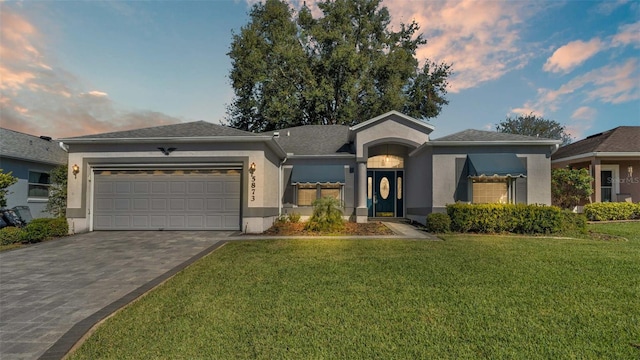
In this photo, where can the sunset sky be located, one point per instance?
(72, 68)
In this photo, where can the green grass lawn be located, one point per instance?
(466, 297)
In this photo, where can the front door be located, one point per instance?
(384, 196)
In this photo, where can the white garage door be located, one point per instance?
(203, 199)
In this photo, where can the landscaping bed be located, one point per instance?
(350, 229)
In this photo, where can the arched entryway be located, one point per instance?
(385, 181)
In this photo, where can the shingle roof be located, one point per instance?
(184, 130)
(481, 135)
(17, 145)
(315, 140)
(620, 139)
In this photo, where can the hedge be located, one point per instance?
(612, 211)
(438, 223)
(11, 235)
(498, 218)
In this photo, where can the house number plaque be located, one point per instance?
(253, 187)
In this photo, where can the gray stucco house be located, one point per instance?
(204, 176)
(30, 159)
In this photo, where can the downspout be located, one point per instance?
(280, 186)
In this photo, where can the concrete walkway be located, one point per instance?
(65, 286)
(52, 293)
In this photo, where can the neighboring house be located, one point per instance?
(211, 177)
(30, 159)
(613, 160)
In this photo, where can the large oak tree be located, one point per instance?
(345, 67)
(533, 125)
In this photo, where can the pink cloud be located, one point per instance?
(628, 35)
(571, 55)
(43, 99)
(584, 113)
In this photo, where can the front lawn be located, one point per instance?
(465, 297)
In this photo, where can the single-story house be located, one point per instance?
(30, 159)
(200, 175)
(611, 157)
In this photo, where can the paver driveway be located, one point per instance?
(51, 290)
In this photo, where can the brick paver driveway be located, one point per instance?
(51, 293)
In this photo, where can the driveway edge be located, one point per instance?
(72, 337)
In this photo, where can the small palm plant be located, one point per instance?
(327, 215)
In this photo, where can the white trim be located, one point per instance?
(598, 155)
(396, 113)
(615, 180)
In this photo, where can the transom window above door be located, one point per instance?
(385, 162)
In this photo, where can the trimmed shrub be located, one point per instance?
(497, 218)
(42, 229)
(612, 211)
(438, 223)
(11, 235)
(327, 215)
(573, 223)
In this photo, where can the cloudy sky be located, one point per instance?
(74, 68)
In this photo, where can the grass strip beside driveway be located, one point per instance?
(466, 297)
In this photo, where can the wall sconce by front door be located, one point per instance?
(75, 169)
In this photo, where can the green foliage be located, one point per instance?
(42, 229)
(573, 223)
(294, 217)
(438, 223)
(570, 187)
(11, 235)
(498, 218)
(327, 215)
(57, 204)
(532, 125)
(612, 211)
(6, 180)
(344, 67)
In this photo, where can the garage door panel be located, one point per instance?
(195, 205)
(158, 204)
(122, 188)
(121, 204)
(168, 200)
(141, 188)
(140, 221)
(178, 187)
(141, 204)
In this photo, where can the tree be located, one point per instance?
(342, 68)
(533, 125)
(6, 180)
(569, 187)
(57, 204)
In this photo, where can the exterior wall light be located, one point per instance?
(630, 170)
(252, 168)
(75, 169)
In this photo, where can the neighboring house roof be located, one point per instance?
(623, 139)
(475, 136)
(194, 129)
(17, 145)
(315, 140)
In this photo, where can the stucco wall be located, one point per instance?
(419, 182)
(444, 171)
(18, 192)
(386, 131)
(264, 206)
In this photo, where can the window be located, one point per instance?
(39, 183)
(490, 191)
(385, 162)
(307, 193)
